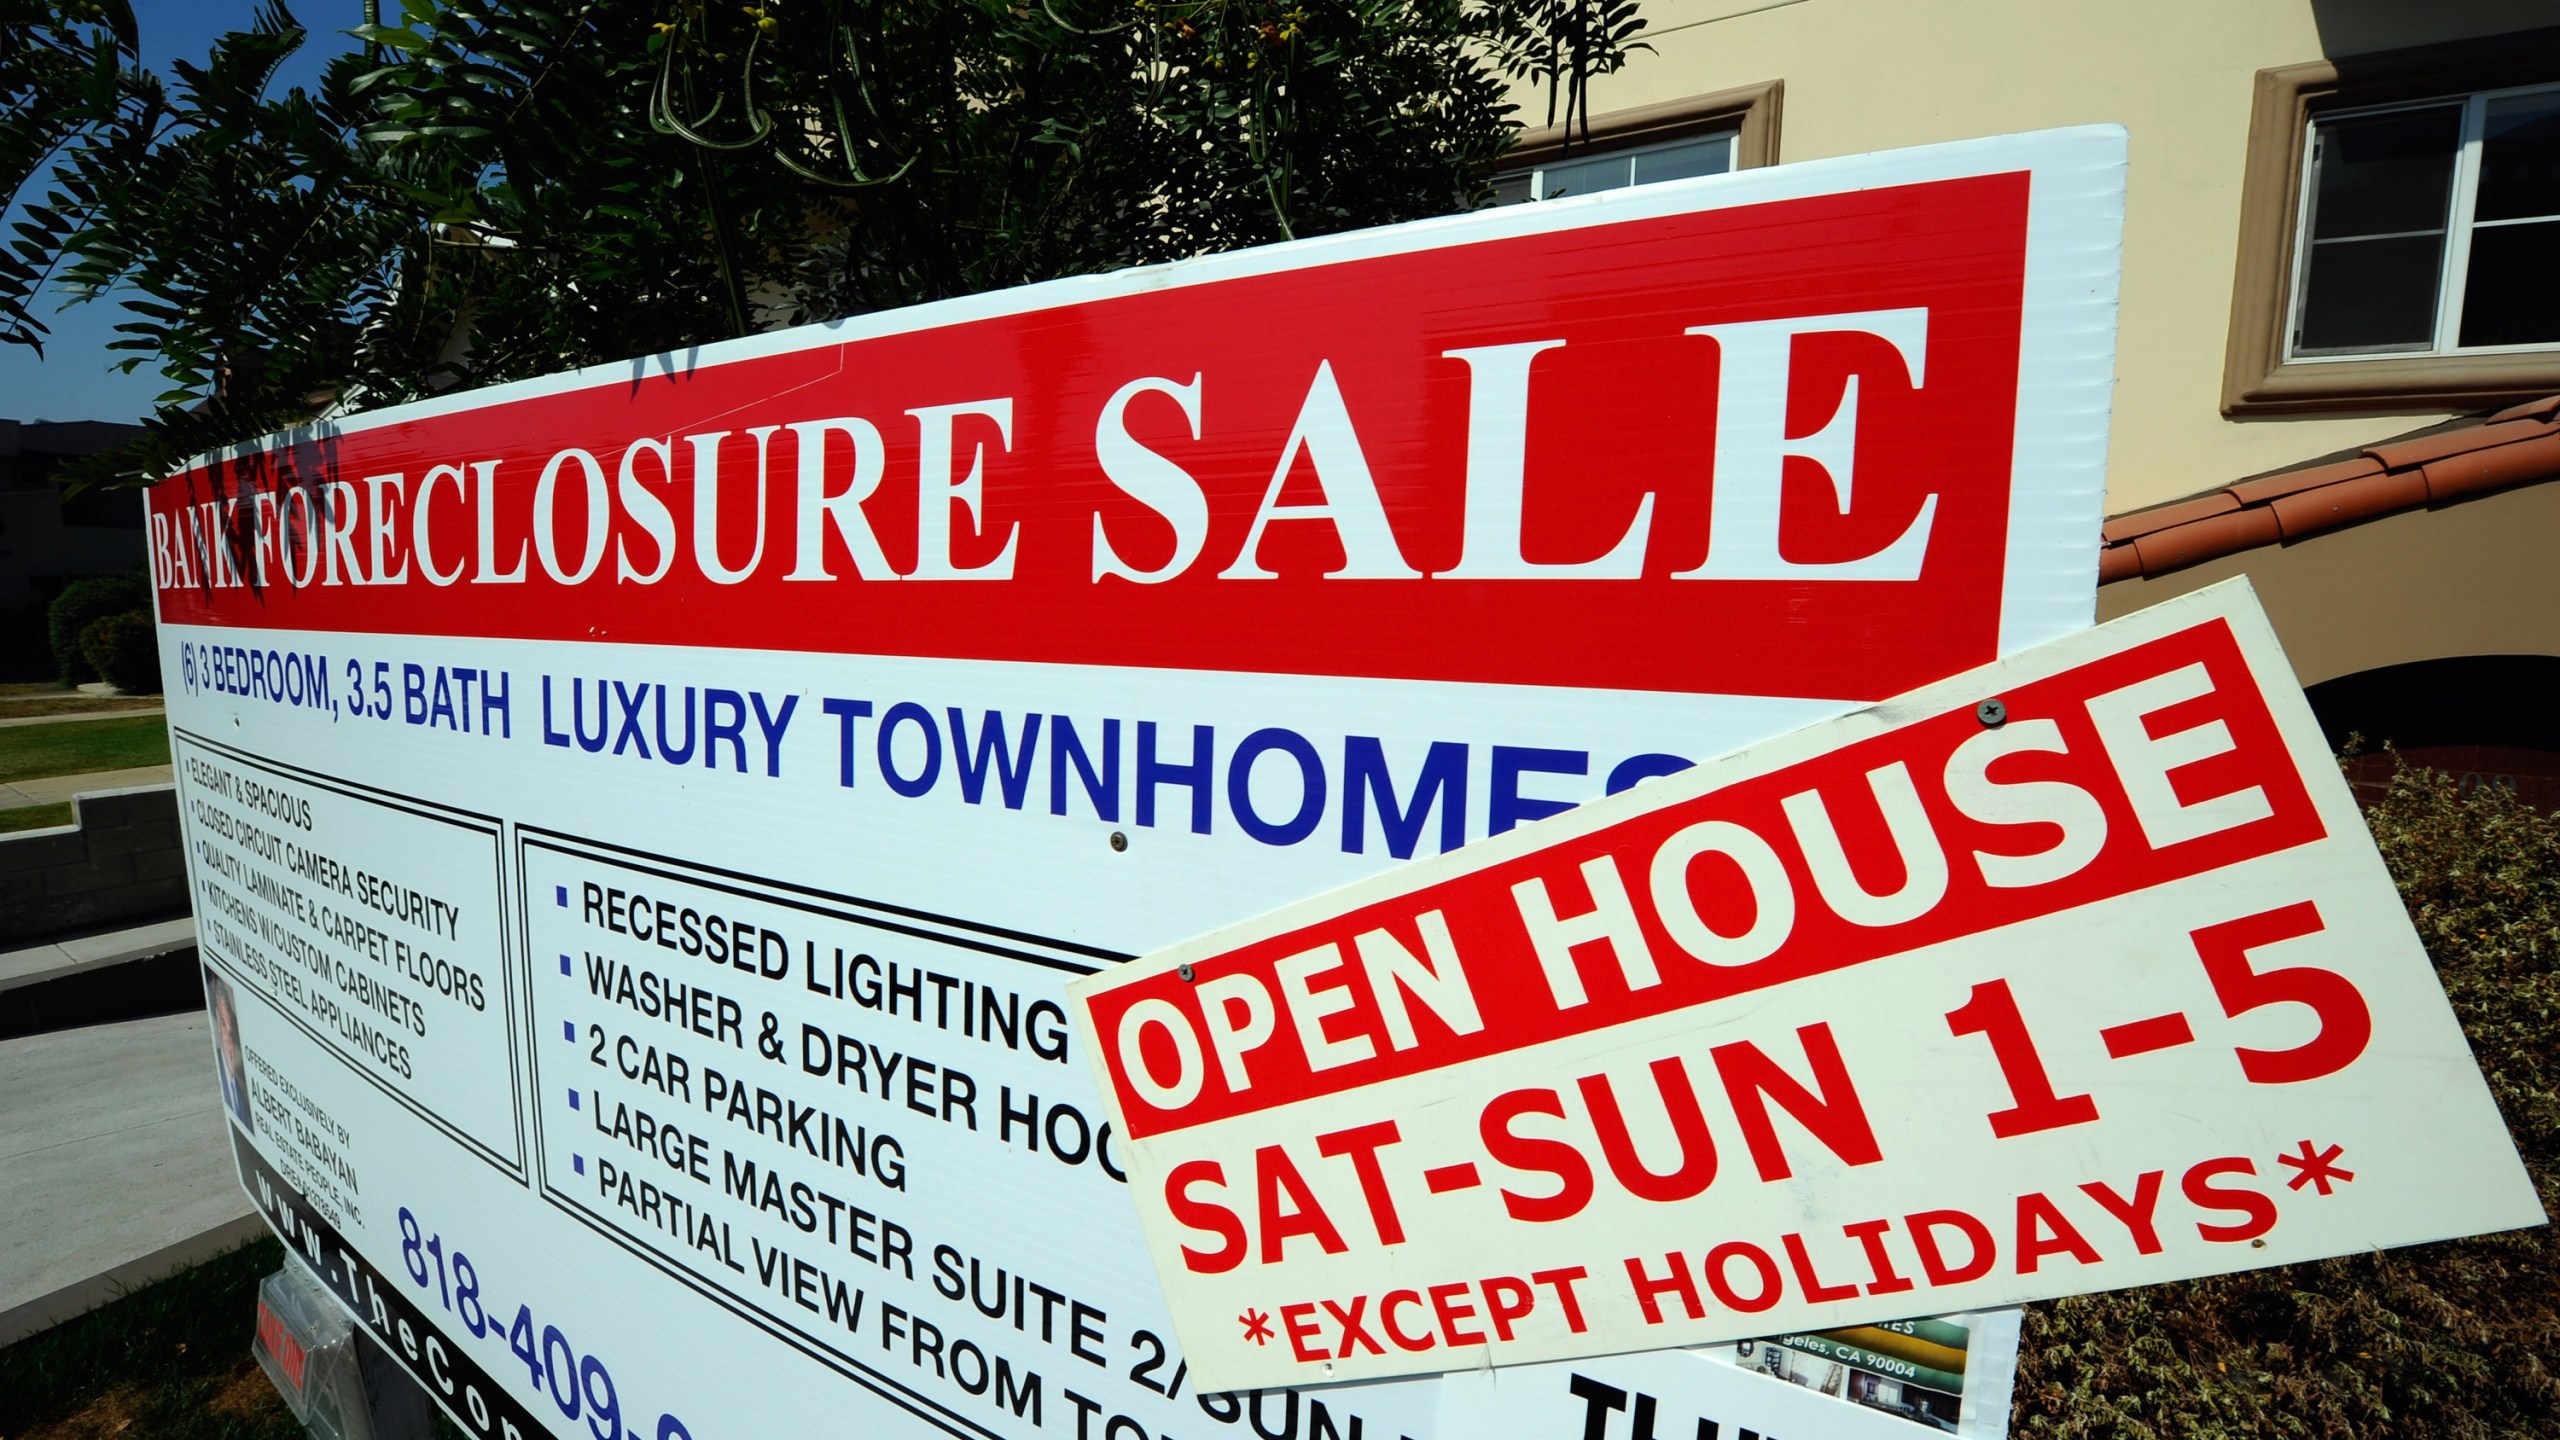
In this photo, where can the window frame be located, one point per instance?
(1539, 172)
(2460, 223)
(2259, 375)
(1748, 112)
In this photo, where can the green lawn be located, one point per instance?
(76, 747)
(34, 817)
(16, 706)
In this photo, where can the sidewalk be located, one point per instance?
(115, 1165)
(54, 789)
(115, 1158)
(61, 959)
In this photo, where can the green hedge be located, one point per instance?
(82, 604)
(125, 651)
(2460, 1339)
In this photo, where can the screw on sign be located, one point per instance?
(1925, 1008)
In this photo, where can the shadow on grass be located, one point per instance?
(34, 817)
(14, 707)
(169, 1361)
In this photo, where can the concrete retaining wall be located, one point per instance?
(120, 862)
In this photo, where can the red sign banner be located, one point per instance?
(1788, 424)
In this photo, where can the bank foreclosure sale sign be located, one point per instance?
(643, 822)
(2074, 972)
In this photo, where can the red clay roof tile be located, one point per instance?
(2310, 512)
(2516, 446)
(2161, 517)
(2309, 477)
(2457, 476)
(2401, 454)
(2180, 546)
(2547, 407)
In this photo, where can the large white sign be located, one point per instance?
(2073, 972)
(646, 819)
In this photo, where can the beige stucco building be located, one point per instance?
(2342, 227)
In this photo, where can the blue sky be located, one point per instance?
(73, 381)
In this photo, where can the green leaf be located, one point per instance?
(390, 37)
(315, 230)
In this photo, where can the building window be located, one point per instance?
(2397, 226)
(1710, 154)
(1707, 135)
(2428, 228)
